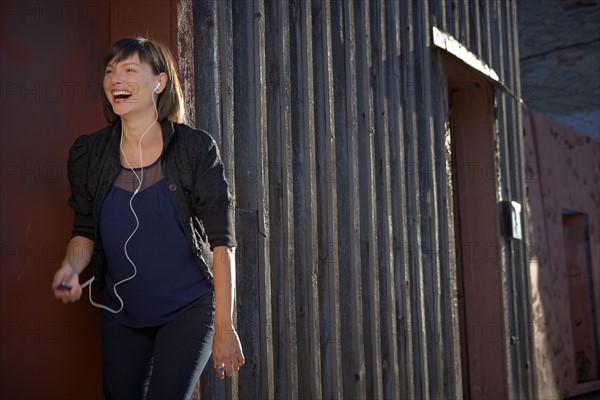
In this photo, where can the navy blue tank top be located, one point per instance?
(168, 279)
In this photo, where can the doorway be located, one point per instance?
(479, 267)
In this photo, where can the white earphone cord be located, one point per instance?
(140, 179)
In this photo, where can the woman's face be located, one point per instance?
(130, 85)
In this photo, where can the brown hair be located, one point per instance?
(159, 57)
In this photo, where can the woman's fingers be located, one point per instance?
(68, 296)
(66, 285)
(220, 370)
(67, 290)
(230, 361)
(240, 357)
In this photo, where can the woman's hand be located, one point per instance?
(226, 349)
(66, 284)
(66, 280)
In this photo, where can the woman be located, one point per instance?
(149, 193)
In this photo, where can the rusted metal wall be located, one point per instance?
(51, 56)
(563, 170)
(50, 61)
(332, 118)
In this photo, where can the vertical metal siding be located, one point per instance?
(333, 122)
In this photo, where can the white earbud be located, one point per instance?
(157, 86)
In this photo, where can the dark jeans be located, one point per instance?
(162, 362)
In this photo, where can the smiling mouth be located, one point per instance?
(121, 95)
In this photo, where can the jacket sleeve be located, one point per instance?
(214, 202)
(78, 201)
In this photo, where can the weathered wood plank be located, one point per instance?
(350, 154)
(417, 326)
(396, 78)
(513, 247)
(503, 187)
(262, 187)
(206, 48)
(329, 290)
(389, 348)
(300, 219)
(224, 87)
(427, 96)
(487, 42)
(281, 198)
(207, 112)
(529, 379)
(338, 97)
(249, 270)
(475, 27)
(305, 208)
(369, 238)
(248, 305)
(310, 201)
(288, 204)
(464, 34)
(185, 63)
(276, 226)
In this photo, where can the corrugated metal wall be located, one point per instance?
(333, 122)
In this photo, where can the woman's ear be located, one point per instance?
(162, 82)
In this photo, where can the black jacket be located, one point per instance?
(193, 172)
